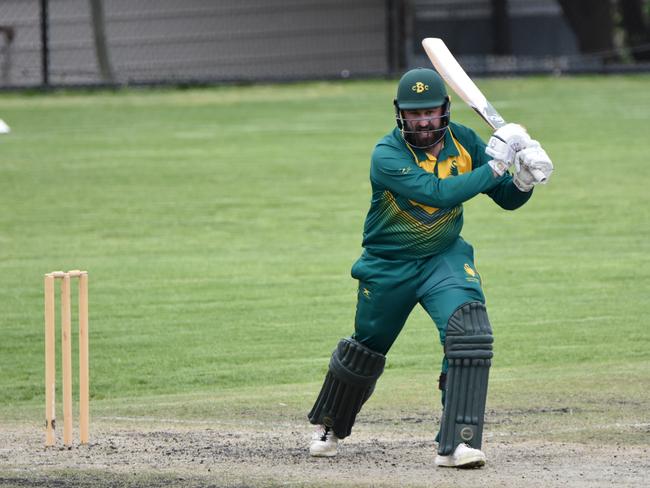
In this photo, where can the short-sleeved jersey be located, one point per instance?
(416, 208)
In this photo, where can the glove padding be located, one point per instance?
(532, 167)
(499, 167)
(506, 142)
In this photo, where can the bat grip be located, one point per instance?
(539, 176)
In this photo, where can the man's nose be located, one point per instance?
(423, 122)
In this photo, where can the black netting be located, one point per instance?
(20, 43)
(151, 41)
(90, 42)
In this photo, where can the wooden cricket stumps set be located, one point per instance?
(66, 353)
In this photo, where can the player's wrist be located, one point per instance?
(498, 167)
(522, 185)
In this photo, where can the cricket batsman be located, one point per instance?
(421, 173)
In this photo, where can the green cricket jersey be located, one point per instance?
(417, 199)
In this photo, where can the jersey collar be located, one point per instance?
(448, 150)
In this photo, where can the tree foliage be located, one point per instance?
(595, 22)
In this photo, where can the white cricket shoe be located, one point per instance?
(463, 457)
(324, 442)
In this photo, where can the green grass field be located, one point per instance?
(219, 227)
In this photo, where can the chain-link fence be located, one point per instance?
(20, 43)
(120, 42)
(85, 42)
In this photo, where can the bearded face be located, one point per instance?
(424, 128)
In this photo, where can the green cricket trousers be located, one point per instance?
(389, 289)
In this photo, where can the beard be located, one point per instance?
(425, 137)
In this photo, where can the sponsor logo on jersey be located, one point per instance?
(453, 170)
(472, 275)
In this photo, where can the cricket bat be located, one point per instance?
(455, 76)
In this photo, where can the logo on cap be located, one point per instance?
(419, 87)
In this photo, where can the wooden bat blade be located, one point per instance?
(455, 76)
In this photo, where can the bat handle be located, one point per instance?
(539, 176)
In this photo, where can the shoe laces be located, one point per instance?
(327, 433)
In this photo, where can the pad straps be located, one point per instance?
(353, 372)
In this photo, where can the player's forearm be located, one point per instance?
(427, 189)
(507, 196)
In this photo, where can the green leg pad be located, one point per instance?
(353, 372)
(468, 348)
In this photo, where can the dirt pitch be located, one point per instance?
(384, 453)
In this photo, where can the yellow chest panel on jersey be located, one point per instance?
(452, 166)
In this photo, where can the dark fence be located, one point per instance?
(125, 42)
(82, 42)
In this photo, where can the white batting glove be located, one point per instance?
(532, 167)
(499, 167)
(523, 179)
(506, 142)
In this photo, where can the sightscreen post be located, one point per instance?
(45, 47)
